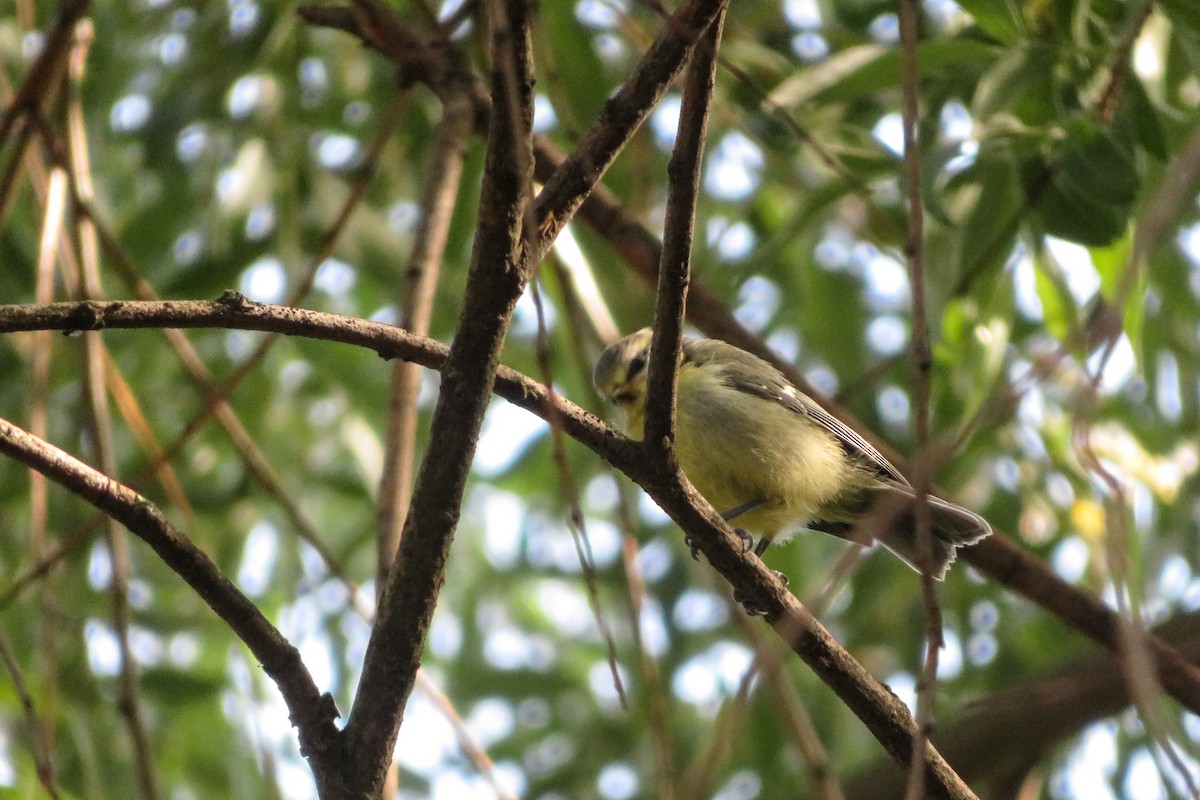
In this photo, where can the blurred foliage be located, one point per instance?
(225, 136)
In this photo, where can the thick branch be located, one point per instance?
(1003, 734)
(494, 283)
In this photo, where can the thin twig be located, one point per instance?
(418, 290)
(575, 178)
(54, 192)
(655, 691)
(674, 270)
(922, 365)
(37, 736)
(1111, 97)
(570, 490)
(785, 117)
(100, 423)
(723, 733)
(1010, 729)
(793, 714)
(45, 72)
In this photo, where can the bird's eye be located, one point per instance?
(636, 365)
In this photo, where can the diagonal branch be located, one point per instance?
(573, 180)
(311, 712)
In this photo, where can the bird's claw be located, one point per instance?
(747, 539)
(692, 546)
(748, 605)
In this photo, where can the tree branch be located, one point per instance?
(416, 311)
(494, 282)
(1005, 732)
(674, 270)
(311, 712)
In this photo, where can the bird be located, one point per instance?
(770, 459)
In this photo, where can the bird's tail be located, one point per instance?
(890, 518)
(952, 527)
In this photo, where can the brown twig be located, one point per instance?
(655, 692)
(793, 715)
(922, 366)
(100, 424)
(570, 490)
(574, 179)
(39, 539)
(38, 741)
(674, 270)
(1111, 97)
(216, 397)
(785, 117)
(416, 311)
(723, 733)
(45, 72)
(1002, 734)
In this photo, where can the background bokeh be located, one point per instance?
(224, 138)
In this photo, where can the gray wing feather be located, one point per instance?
(750, 374)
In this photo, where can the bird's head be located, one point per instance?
(620, 374)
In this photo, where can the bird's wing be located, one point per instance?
(750, 374)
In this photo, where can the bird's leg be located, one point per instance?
(742, 533)
(737, 511)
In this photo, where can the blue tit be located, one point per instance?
(771, 460)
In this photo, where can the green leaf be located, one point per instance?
(865, 69)
(993, 194)
(999, 18)
(1083, 189)
(1111, 261)
(1141, 114)
(1093, 164)
(1058, 308)
(1018, 84)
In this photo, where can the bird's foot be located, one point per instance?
(748, 605)
(693, 547)
(747, 539)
